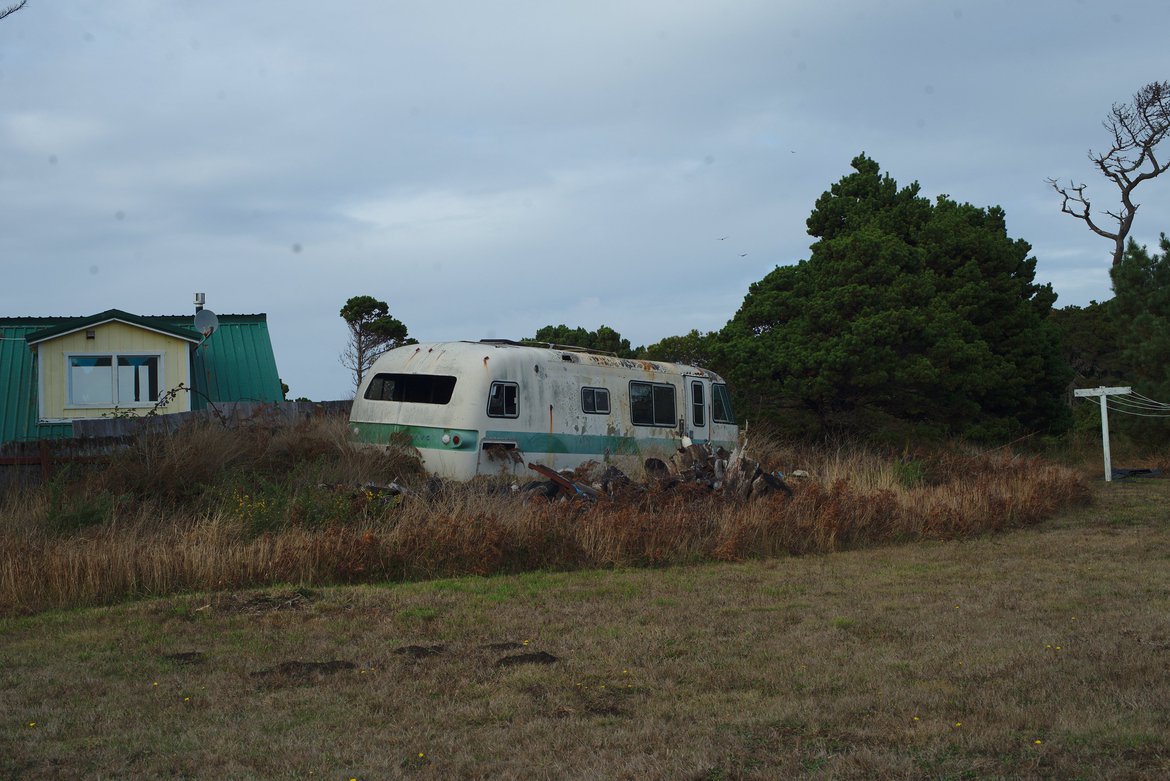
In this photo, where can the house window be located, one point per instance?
(502, 400)
(652, 404)
(698, 408)
(413, 388)
(137, 379)
(721, 411)
(113, 380)
(595, 401)
(91, 380)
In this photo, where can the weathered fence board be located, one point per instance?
(27, 462)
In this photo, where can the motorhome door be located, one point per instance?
(698, 426)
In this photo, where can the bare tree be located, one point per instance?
(12, 8)
(1137, 128)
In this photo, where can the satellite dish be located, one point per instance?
(206, 322)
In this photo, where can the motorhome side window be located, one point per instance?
(721, 404)
(652, 404)
(502, 400)
(698, 407)
(414, 388)
(595, 400)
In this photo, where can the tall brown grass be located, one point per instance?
(211, 508)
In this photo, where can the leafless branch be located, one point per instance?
(1136, 128)
(12, 8)
(1075, 202)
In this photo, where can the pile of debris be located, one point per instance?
(732, 474)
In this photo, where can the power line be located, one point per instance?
(1148, 399)
(1124, 411)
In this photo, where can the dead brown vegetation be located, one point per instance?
(211, 508)
(1037, 653)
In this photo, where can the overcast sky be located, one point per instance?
(489, 167)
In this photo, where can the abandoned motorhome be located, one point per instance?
(494, 406)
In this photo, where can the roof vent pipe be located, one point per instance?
(200, 300)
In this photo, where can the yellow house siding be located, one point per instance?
(109, 338)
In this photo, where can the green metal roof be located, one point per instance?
(235, 363)
(162, 324)
(18, 386)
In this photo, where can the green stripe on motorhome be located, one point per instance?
(431, 438)
(613, 445)
(420, 436)
(543, 442)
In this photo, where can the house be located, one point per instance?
(54, 370)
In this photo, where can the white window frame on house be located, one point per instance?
(115, 391)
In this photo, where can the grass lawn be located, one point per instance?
(1042, 652)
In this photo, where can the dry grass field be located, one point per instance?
(213, 508)
(1037, 651)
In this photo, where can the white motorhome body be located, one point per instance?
(494, 406)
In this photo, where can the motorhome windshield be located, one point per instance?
(415, 388)
(721, 401)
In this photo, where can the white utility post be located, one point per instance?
(1103, 392)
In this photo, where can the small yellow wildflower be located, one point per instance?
(421, 755)
(958, 723)
(32, 724)
(525, 642)
(916, 718)
(155, 683)
(1037, 741)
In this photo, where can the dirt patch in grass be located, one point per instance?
(419, 651)
(254, 603)
(539, 657)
